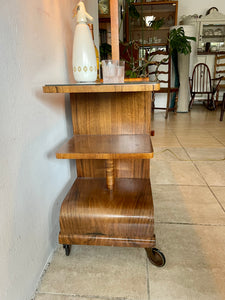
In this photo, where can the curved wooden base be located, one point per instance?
(93, 215)
(94, 240)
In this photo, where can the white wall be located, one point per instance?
(35, 49)
(92, 9)
(200, 7)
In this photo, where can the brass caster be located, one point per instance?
(156, 257)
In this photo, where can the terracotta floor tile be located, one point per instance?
(199, 142)
(213, 172)
(221, 140)
(194, 263)
(98, 272)
(165, 141)
(64, 297)
(163, 132)
(185, 204)
(206, 154)
(191, 132)
(175, 172)
(170, 154)
(217, 131)
(220, 194)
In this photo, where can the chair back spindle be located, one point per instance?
(201, 83)
(219, 71)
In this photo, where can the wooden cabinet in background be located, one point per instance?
(136, 29)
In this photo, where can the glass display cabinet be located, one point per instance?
(212, 32)
(147, 29)
(150, 30)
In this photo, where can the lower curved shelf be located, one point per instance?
(93, 215)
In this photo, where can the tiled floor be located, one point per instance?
(188, 183)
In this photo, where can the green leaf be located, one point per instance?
(133, 75)
(156, 24)
(133, 13)
(128, 73)
(179, 42)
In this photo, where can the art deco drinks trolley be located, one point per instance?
(110, 202)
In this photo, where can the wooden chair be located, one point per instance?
(201, 83)
(160, 70)
(219, 70)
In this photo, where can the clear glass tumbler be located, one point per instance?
(113, 71)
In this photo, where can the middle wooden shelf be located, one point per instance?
(122, 146)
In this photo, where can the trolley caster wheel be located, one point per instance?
(156, 257)
(67, 249)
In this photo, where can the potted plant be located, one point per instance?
(179, 42)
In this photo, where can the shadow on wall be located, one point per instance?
(55, 103)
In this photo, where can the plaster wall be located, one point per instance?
(35, 49)
(92, 9)
(198, 7)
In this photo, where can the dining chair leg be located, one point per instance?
(167, 105)
(217, 98)
(222, 108)
(211, 103)
(191, 102)
(208, 102)
(153, 102)
(176, 102)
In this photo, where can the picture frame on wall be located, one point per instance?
(103, 7)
